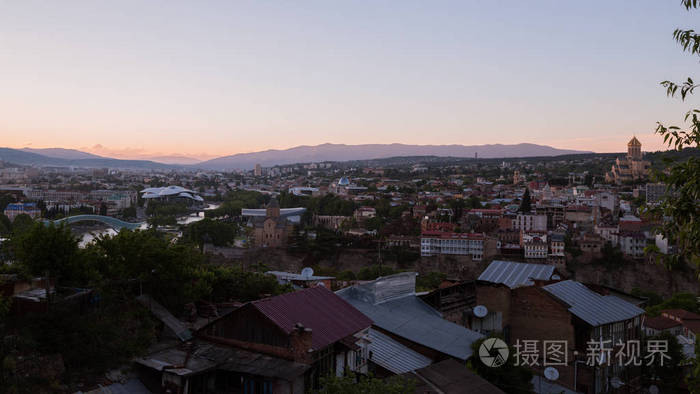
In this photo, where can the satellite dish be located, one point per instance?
(551, 373)
(653, 389)
(480, 311)
(307, 272)
(616, 382)
(556, 277)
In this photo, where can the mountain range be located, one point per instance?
(267, 158)
(342, 152)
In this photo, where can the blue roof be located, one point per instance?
(393, 356)
(514, 274)
(591, 307)
(409, 317)
(21, 205)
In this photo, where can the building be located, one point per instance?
(531, 302)
(433, 243)
(28, 208)
(633, 243)
(530, 222)
(534, 245)
(362, 214)
(171, 193)
(557, 246)
(273, 229)
(631, 168)
(281, 344)
(258, 170)
(391, 303)
(655, 192)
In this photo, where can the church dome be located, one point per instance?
(634, 142)
(344, 181)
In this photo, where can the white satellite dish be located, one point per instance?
(307, 272)
(616, 382)
(480, 311)
(551, 373)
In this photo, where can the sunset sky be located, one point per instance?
(211, 78)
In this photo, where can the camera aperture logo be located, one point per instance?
(493, 352)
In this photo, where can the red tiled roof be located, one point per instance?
(661, 323)
(330, 317)
(681, 314)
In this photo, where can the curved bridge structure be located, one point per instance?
(108, 220)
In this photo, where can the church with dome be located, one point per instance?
(630, 168)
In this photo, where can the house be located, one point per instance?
(633, 243)
(391, 303)
(28, 208)
(435, 243)
(281, 344)
(531, 302)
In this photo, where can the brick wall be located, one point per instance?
(496, 298)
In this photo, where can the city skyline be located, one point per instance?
(203, 81)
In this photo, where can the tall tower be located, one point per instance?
(273, 209)
(634, 149)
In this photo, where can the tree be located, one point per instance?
(48, 249)
(526, 202)
(668, 376)
(351, 384)
(511, 378)
(22, 223)
(680, 207)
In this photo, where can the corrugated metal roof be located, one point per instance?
(514, 274)
(393, 356)
(593, 308)
(328, 316)
(411, 318)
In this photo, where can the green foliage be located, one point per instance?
(654, 298)
(687, 301)
(235, 201)
(610, 257)
(352, 384)
(22, 223)
(234, 284)
(668, 376)
(49, 249)
(511, 378)
(109, 337)
(211, 231)
(5, 226)
(526, 202)
(330, 204)
(680, 207)
(429, 281)
(374, 271)
(129, 212)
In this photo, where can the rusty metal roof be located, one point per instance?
(330, 317)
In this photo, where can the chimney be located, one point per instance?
(300, 344)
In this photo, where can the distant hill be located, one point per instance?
(342, 152)
(175, 159)
(22, 157)
(60, 153)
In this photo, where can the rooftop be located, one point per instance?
(514, 274)
(591, 307)
(393, 306)
(330, 317)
